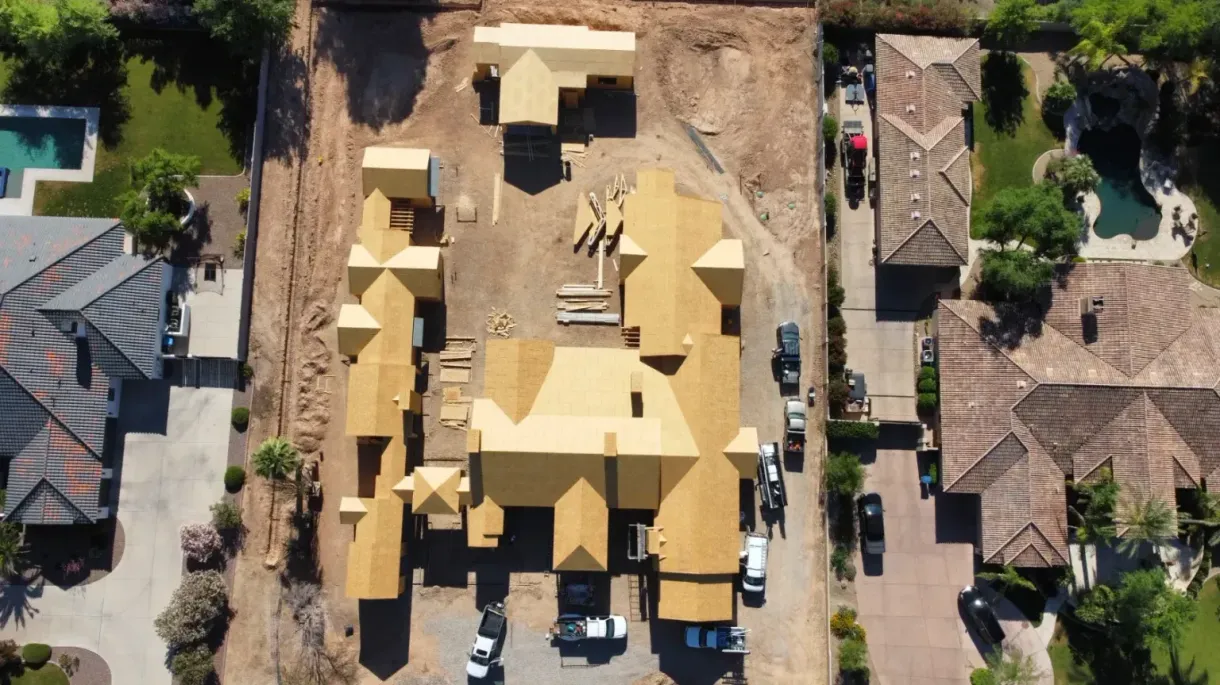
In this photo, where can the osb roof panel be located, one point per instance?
(695, 598)
(393, 306)
(664, 295)
(571, 435)
(371, 408)
(513, 373)
(581, 529)
(561, 48)
(436, 490)
(528, 93)
(396, 158)
(374, 554)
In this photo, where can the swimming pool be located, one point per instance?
(1126, 206)
(39, 143)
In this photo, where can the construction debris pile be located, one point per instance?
(456, 360)
(500, 323)
(601, 223)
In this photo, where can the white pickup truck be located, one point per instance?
(574, 627)
(491, 628)
(754, 563)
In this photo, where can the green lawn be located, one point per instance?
(1199, 653)
(1204, 258)
(1006, 144)
(49, 674)
(186, 116)
(1068, 671)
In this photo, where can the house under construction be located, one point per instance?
(587, 430)
(382, 337)
(540, 66)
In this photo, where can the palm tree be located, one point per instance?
(1098, 500)
(10, 547)
(1007, 578)
(1208, 522)
(276, 458)
(1149, 520)
(1098, 41)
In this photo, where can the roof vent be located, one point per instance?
(33, 257)
(915, 155)
(914, 173)
(914, 215)
(1021, 385)
(911, 108)
(914, 197)
(910, 73)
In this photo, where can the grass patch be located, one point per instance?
(1068, 671)
(48, 674)
(180, 97)
(1199, 651)
(1204, 188)
(1009, 136)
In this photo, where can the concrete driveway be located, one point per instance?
(907, 597)
(175, 446)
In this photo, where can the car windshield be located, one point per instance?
(479, 658)
(873, 525)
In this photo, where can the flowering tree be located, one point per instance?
(198, 606)
(200, 541)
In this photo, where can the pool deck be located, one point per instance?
(24, 205)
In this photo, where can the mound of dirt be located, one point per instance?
(707, 78)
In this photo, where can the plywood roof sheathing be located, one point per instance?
(456, 354)
(454, 412)
(455, 375)
(436, 490)
(351, 510)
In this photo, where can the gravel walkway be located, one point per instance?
(93, 669)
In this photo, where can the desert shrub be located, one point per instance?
(835, 294)
(852, 429)
(926, 401)
(243, 198)
(200, 541)
(853, 656)
(844, 474)
(927, 372)
(830, 128)
(226, 516)
(193, 666)
(235, 478)
(982, 676)
(247, 371)
(197, 608)
(240, 417)
(832, 207)
(69, 663)
(36, 654)
(843, 624)
(239, 244)
(10, 654)
(926, 385)
(841, 563)
(900, 16)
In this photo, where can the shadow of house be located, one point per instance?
(613, 112)
(381, 90)
(385, 634)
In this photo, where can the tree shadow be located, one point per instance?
(1004, 91)
(15, 605)
(1109, 661)
(1011, 323)
(93, 78)
(381, 85)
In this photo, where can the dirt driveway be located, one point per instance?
(742, 76)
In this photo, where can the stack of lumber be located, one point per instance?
(500, 323)
(581, 298)
(455, 408)
(456, 360)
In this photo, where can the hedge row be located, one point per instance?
(852, 429)
(939, 16)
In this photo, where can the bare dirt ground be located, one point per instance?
(742, 76)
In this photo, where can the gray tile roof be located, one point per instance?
(1019, 414)
(923, 83)
(53, 386)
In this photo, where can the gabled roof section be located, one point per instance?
(581, 529)
(927, 245)
(30, 244)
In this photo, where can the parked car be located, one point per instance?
(491, 628)
(980, 615)
(794, 424)
(574, 627)
(788, 352)
(772, 494)
(872, 523)
(731, 639)
(754, 563)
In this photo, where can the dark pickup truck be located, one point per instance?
(788, 352)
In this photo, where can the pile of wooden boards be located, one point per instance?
(582, 298)
(500, 323)
(455, 361)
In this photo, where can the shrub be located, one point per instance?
(1075, 174)
(843, 623)
(240, 417)
(195, 610)
(832, 207)
(69, 663)
(10, 654)
(1058, 98)
(837, 358)
(836, 326)
(841, 563)
(830, 129)
(982, 676)
(235, 478)
(193, 666)
(835, 294)
(247, 371)
(852, 429)
(243, 199)
(199, 541)
(844, 474)
(830, 54)
(239, 244)
(226, 516)
(926, 385)
(899, 16)
(927, 372)
(933, 473)
(36, 654)
(926, 401)
(853, 656)
(836, 395)
(151, 212)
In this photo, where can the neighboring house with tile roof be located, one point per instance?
(1121, 373)
(78, 315)
(925, 86)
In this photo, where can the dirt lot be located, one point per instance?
(743, 76)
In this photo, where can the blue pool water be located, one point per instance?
(1126, 207)
(39, 143)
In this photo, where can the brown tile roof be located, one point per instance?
(1020, 413)
(923, 84)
